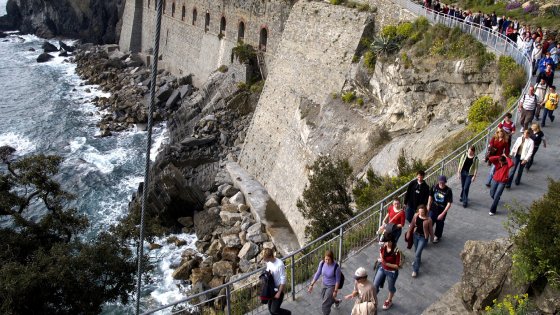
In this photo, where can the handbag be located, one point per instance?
(490, 152)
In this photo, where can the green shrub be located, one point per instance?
(355, 59)
(244, 52)
(334, 95)
(242, 86)
(510, 305)
(406, 60)
(336, 2)
(511, 76)
(348, 97)
(223, 68)
(257, 87)
(369, 60)
(535, 254)
(326, 200)
(482, 112)
(363, 7)
(389, 31)
(360, 101)
(385, 45)
(405, 30)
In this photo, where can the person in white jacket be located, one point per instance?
(520, 153)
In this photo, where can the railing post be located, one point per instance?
(441, 166)
(381, 216)
(228, 300)
(340, 244)
(292, 268)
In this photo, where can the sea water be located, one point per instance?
(44, 108)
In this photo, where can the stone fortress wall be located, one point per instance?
(197, 36)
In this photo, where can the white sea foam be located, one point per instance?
(77, 143)
(19, 142)
(168, 289)
(161, 138)
(105, 163)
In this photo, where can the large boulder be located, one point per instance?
(66, 47)
(231, 240)
(255, 234)
(206, 221)
(184, 271)
(44, 57)
(548, 301)
(230, 253)
(201, 274)
(237, 199)
(487, 273)
(223, 269)
(229, 218)
(248, 251)
(48, 47)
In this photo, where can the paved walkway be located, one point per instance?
(441, 263)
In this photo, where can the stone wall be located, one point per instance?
(190, 43)
(311, 62)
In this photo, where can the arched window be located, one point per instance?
(173, 9)
(164, 5)
(207, 21)
(194, 13)
(241, 31)
(263, 38)
(223, 26)
(183, 12)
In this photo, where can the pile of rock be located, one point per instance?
(230, 240)
(128, 80)
(48, 49)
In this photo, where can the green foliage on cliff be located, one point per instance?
(482, 112)
(535, 255)
(244, 52)
(46, 267)
(375, 187)
(510, 305)
(511, 76)
(326, 200)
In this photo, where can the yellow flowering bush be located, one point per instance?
(510, 305)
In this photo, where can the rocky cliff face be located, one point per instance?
(95, 21)
(422, 104)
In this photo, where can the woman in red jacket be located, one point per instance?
(499, 144)
(395, 216)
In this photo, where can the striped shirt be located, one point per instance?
(529, 102)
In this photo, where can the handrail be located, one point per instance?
(496, 41)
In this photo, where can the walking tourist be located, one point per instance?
(499, 180)
(540, 92)
(537, 136)
(278, 271)
(439, 202)
(396, 217)
(546, 72)
(417, 193)
(467, 170)
(390, 258)
(527, 107)
(550, 103)
(499, 144)
(421, 230)
(521, 152)
(366, 302)
(332, 275)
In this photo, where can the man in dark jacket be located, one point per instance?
(439, 202)
(417, 194)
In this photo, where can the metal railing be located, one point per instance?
(240, 296)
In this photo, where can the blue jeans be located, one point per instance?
(496, 192)
(465, 185)
(516, 167)
(383, 274)
(435, 211)
(490, 174)
(419, 243)
(549, 113)
(409, 211)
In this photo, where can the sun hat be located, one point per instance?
(360, 273)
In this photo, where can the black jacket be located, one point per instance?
(416, 194)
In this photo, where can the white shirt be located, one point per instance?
(526, 148)
(278, 271)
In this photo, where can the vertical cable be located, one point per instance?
(148, 148)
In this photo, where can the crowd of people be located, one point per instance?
(426, 208)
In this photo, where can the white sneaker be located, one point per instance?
(414, 274)
(436, 240)
(491, 214)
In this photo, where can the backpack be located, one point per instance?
(267, 286)
(341, 284)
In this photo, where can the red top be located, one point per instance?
(396, 217)
(501, 174)
(501, 147)
(393, 258)
(508, 127)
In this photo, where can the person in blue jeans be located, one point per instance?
(499, 180)
(521, 152)
(439, 202)
(468, 167)
(422, 229)
(390, 258)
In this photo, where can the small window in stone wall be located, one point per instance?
(173, 9)
(207, 21)
(223, 26)
(183, 12)
(194, 13)
(241, 31)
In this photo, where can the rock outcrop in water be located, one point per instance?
(95, 21)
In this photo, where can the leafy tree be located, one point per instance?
(45, 267)
(535, 234)
(326, 200)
